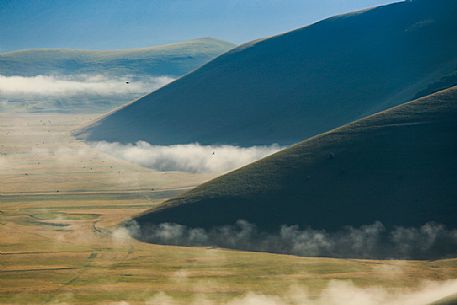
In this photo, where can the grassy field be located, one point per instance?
(60, 206)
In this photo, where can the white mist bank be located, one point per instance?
(76, 93)
(191, 158)
(52, 86)
(187, 158)
(336, 293)
(373, 241)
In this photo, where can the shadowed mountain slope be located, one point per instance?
(398, 167)
(172, 59)
(299, 84)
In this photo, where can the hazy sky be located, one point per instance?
(107, 24)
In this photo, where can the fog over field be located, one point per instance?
(336, 293)
(65, 86)
(369, 241)
(73, 93)
(187, 158)
(192, 158)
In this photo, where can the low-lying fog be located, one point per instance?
(369, 241)
(187, 158)
(336, 293)
(76, 93)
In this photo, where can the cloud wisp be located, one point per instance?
(335, 293)
(50, 93)
(373, 241)
(187, 158)
(67, 86)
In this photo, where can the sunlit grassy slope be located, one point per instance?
(172, 60)
(292, 86)
(398, 167)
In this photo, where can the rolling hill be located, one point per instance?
(397, 167)
(301, 83)
(81, 81)
(172, 60)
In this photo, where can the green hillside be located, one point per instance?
(397, 167)
(172, 60)
(301, 83)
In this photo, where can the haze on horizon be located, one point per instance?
(118, 24)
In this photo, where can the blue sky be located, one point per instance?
(111, 24)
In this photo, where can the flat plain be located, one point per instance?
(61, 203)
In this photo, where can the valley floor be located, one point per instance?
(60, 205)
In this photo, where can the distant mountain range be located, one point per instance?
(398, 167)
(78, 81)
(299, 84)
(171, 60)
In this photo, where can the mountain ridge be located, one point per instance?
(181, 58)
(300, 83)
